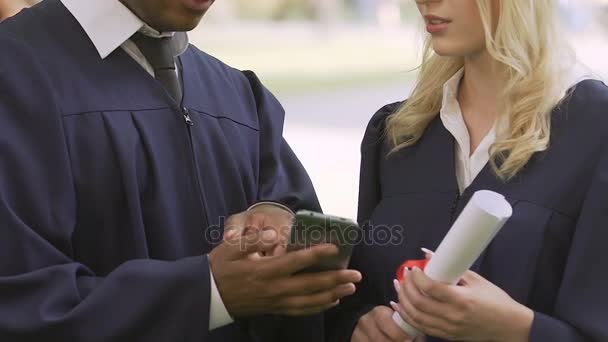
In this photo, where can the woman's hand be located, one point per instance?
(378, 326)
(476, 310)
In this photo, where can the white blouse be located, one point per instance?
(469, 165)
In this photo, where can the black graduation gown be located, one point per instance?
(551, 255)
(110, 201)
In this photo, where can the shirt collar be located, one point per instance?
(108, 35)
(451, 115)
(449, 103)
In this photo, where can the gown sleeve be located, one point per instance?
(46, 295)
(341, 321)
(283, 179)
(581, 309)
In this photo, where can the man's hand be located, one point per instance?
(263, 217)
(253, 285)
(269, 285)
(378, 326)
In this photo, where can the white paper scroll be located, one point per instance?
(479, 222)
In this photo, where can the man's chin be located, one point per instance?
(183, 23)
(188, 26)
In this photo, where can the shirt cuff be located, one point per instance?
(218, 314)
(276, 204)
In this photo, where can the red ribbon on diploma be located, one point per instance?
(410, 264)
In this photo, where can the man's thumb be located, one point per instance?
(254, 241)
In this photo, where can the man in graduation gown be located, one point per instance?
(8, 8)
(122, 151)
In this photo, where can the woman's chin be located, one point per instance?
(445, 52)
(449, 50)
(455, 47)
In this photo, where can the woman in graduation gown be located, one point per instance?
(497, 106)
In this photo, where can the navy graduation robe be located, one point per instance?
(109, 201)
(552, 255)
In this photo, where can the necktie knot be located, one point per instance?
(160, 54)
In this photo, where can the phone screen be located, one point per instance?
(311, 228)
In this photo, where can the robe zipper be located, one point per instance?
(189, 124)
(186, 115)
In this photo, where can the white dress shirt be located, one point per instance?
(110, 34)
(469, 163)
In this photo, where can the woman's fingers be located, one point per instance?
(428, 254)
(423, 312)
(441, 292)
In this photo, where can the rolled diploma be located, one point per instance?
(479, 222)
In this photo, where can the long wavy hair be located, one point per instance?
(534, 61)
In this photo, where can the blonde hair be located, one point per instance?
(526, 43)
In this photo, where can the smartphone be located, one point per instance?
(312, 228)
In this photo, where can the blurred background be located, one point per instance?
(333, 63)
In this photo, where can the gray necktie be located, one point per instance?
(160, 53)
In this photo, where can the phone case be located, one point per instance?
(311, 228)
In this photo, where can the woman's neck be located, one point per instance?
(478, 96)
